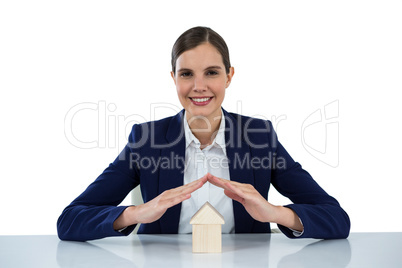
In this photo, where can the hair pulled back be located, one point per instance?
(196, 36)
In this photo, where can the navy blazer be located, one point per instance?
(154, 157)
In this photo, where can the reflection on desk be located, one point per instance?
(238, 250)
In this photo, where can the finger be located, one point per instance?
(233, 196)
(230, 185)
(197, 183)
(216, 181)
(231, 189)
(172, 201)
(190, 187)
(201, 180)
(235, 189)
(222, 183)
(219, 182)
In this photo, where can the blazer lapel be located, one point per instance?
(238, 153)
(172, 175)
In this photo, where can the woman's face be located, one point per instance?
(201, 81)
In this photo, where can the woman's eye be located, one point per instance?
(212, 73)
(187, 74)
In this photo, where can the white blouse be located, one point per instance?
(199, 162)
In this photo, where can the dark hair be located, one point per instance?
(195, 37)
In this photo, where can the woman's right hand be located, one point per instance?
(154, 209)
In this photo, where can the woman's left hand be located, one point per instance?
(256, 205)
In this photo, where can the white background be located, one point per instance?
(291, 58)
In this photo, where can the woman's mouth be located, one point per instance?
(201, 101)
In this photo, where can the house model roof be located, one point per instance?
(207, 214)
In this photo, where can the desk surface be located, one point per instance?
(238, 250)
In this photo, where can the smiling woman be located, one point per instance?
(201, 71)
(201, 81)
(229, 160)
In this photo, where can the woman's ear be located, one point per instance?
(229, 76)
(174, 78)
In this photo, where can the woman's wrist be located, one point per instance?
(126, 218)
(288, 218)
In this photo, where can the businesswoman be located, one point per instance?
(203, 153)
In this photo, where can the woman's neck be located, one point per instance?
(204, 128)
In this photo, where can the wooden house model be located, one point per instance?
(207, 229)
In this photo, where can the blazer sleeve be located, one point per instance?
(320, 213)
(92, 214)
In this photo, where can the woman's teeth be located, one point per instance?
(200, 100)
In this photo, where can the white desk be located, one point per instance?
(238, 250)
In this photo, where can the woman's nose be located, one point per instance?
(199, 84)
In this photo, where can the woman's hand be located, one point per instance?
(154, 209)
(256, 205)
